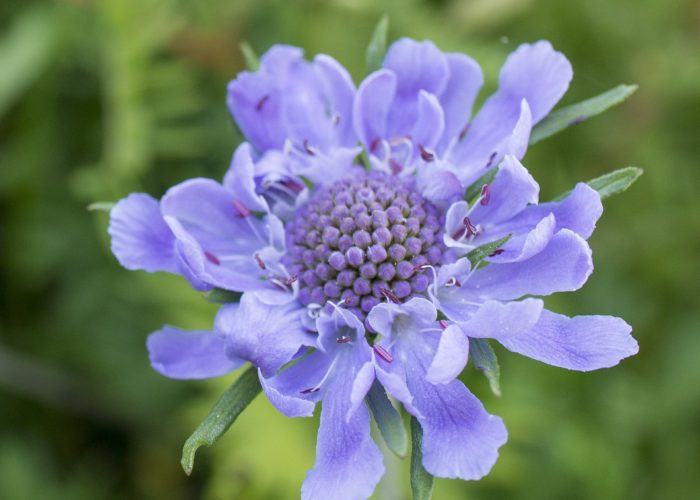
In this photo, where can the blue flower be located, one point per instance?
(344, 271)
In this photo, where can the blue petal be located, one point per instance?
(140, 237)
(581, 343)
(266, 335)
(184, 354)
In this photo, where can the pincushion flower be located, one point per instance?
(385, 272)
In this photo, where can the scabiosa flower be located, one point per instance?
(354, 274)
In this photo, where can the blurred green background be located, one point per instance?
(99, 98)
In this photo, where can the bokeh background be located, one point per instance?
(99, 98)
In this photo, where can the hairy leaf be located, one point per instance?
(222, 415)
(421, 479)
(388, 420)
(576, 113)
(484, 359)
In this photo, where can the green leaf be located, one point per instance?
(220, 296)
(27, 48)
(421, 480)
(102, 206)
(480, 253)
(485, 360)
(612, 183)
(474, 190)
(252, 63)
(576, 113)
(388, 420)
(377, 45)
(222, 415)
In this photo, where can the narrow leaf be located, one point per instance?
(474, 190)
(480, 253)
(220, 296)
(388, 420)
(421, 480)
(222, 415)
(576, 113)
(377, 45)
(612, 183)
(102, 206)
(252, 63)
(485, 360)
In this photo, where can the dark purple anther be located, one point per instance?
(453, 282)
(485, 195)
(348, 301)
(311, 390)
(395, 166)
(212, 258)
(261, 263)
(491, 158)
(374, 144)
(425, 154)
(471, 228)
(292, 185)
(443, 324)
(308, 148)
(498, 251)
(383, 353)
(457, 235)
(389, 295)
(343, 339)
(261, 102)
(241, 209)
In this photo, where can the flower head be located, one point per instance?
(346, 268)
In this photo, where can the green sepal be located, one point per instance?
(576, 113)
(252, 62)
(421, 479)
(480, 253)
(377, 45)
(474, 190)
(222, 415)
(221, 296)
(484, 359)
(388, 420)
(101, 206)
(611, 183)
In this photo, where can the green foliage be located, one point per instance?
(99, 99)
(484, 359)
(572, 115)
(388, 420)
(222, 415)
(377, 45)
(421, 480)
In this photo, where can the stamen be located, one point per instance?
(293, 185)
(470, 228)
(389, 295)
(383, 353)
(311, 390)
(374, 144)
(498, 251)
(212, 258)
(485, 195)
(290, 280)
(453, 282)
(261, 102)
(395, 166)
(261, 263)
(425, 154)
(241, 209)
(491, 158)
(459, 233)
(347, 302)
(443, 324)
(343, 339)
(308, 148)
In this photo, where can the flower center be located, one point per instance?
(364, 240)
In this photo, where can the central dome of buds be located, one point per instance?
(362, 241)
